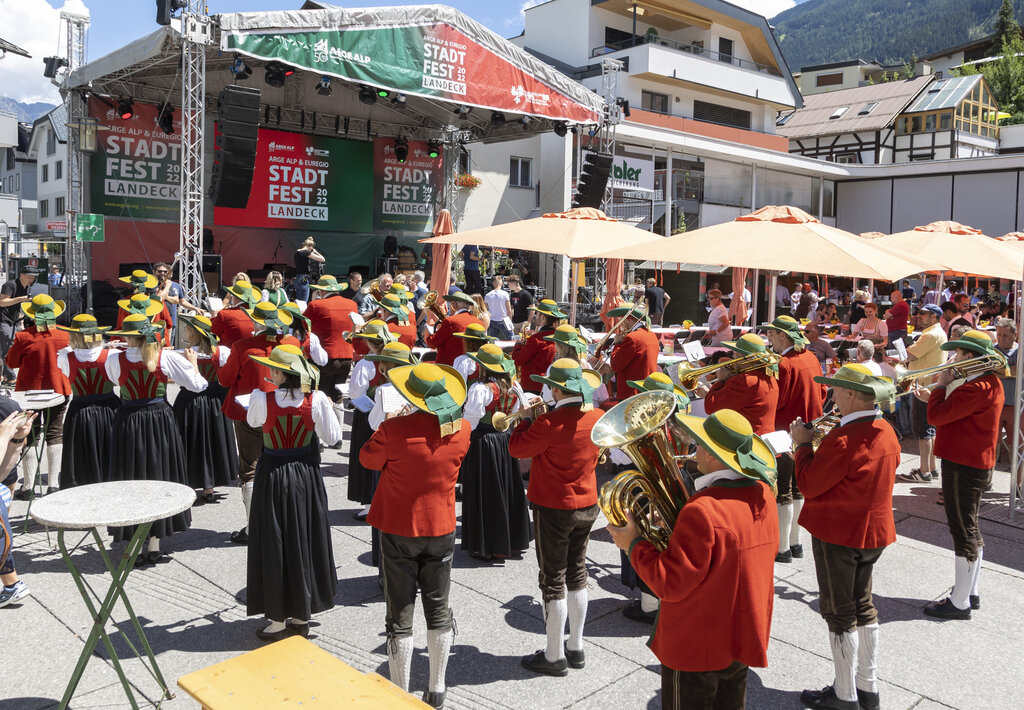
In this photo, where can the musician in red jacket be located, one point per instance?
(966, 421)
(847, 485)
(635, 354)
(419, 456)
(754, 393)
(715, 577)
(534, 355)
(799, 396)
(563, 491)
(396, 315)
(448, 347)
(232, 323)
(152, 307)
(328, 316)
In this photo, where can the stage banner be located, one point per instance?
(137, 170)
(307, 182)
(405, 194)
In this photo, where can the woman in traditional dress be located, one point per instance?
(273, 289)
(474, 336)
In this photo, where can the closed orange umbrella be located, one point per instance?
(614, 270)
(440, 271)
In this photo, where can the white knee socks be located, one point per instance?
(400, 660)
(977, 572)
(844, 657)
(439, 644)
(247, 502)
(794, 526)
(963, 580)
(154, 544)
(29, 469)
(785, 521)
(578, 601)
(867, 658)
(557, 612)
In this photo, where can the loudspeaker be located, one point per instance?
(234, 155)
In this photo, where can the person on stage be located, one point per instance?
(966, 420)
(208, 436)
(563, 491)
(448, 347)
(635, 353)
(799, 396)
(90, 416)
(534, 355)
(232, 323)
(754, 393)
(242, 375)
(145, 443)
(473, 338)
(419, 455)
(495, 516)
(290, 573)
(396, 315)
(329, 317)
(847, 485)
(312, 350)
(715, 578)
(34, 355)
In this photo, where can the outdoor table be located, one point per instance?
(38, 401)
(97, 505)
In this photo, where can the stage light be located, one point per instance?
(165, 119)
(497, 119)
(561, 129)
(383, 93)
(277, 73)
(525, 122)
(51, 65)
(401, 149)
(399, 100)
(368, 96)
(240, 69)
(434, 149)
(124, 109)
(462, 111)
(323, 87)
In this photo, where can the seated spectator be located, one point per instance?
(870, 327)
(821, 348)
(866, 357)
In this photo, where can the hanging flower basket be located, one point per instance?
(468, 181)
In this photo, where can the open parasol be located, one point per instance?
(959, 249)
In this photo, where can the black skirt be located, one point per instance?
(495, 515)
(146, 446)
(208, 436)
(362, 482)
(88, 426)
(291, 571)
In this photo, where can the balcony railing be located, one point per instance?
(684, 47)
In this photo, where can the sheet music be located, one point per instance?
(587, 334)
(901, 349)
(357, 320)
(780, 442)
(391, 399)
(508, 324)
(243, 400)
(216, 304)
(694, 351)
(363, 404)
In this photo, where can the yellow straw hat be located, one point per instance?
(43, 308)
(436, 389)
(141, 303)
(728, 436)
(140, 279)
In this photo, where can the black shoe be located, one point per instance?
(156, 556)
(827, 700)
(200, 500)
(636, 612)
(575, 659)
(434, 700)
(975, 601)
(359, 516)
(797, 551)
(23, 494)
(275, 636)
(299, 629)
(240, 537)
(946, 610)
(209, 497)
(786, 556)
(142, 561)
(868, 700)
(538, 663)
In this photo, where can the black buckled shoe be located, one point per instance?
(797, 551)
(945, 609)
(868, 700)
(575, 659)
(273, 636)
(826, 699)
(538, 663)
(434, 699)
(786, 556)
(636, 612)
(240, 537)
(299, 629)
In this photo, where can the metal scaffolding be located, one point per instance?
(76, 256)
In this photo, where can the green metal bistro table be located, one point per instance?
(115, 504)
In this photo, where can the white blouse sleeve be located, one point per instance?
(324, 419)
(465, 365)
(256, 414)
(359, 380)
(316, 351)
(113, 366)
(223, 353)
(180, 370)
(477, 399)
(62, 361)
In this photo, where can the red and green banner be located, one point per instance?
(136, 171)
(405, 194)
(434, 60)
(307, 182)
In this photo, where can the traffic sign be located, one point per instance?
(89, 228)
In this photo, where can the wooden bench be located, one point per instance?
(293, 673)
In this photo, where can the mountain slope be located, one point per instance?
(889, 31)
(25, 112)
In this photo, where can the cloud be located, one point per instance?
(768, 8)
(519, 19)
(35, 26)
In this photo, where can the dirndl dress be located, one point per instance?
(208, 436)
(88, 423)
(362, 482)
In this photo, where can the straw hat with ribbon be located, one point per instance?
(141, 303)
(399, 291)
(461, 298)
(567, 375)
(492, 358)
(140, 280)
(43, 309)
(203, 325)
(138, 325)
(855, 376)
(245, 292)
(661, 381)
(639, 311)
(395, 353)
(728, 436)
(549, 308)
(436, 389)
(791, 327)
(750, 344)
(476, 331)
(289, 358)
(293, 308)
(567, 335)
(376, 330)
(270, 316)
(974, 340)
(329, 284)
(392, 303)
(85, 324)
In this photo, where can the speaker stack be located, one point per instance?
(234, 155)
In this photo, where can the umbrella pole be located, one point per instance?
(1015, 454)
(753, 299)
(572, 292)
(771, 297)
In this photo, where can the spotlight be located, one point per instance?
(401, 149)
(124, 109)
(323, 87)
(51, 65)
(624, 105)
(277, 73)
(165, 119)
(462, 111)
(399, 100)
(561, 129)
(368, 96)
(433, 149)
(575, 129)
(383, 93)
(524, 122)
(240, 69)
(497, 119)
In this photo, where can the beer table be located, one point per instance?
(114, 504)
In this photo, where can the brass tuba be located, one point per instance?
(645, 428)
(430, 303)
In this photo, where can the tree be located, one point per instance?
(1006, 28)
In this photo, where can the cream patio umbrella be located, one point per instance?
(960, 250)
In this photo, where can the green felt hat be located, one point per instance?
(475, 331)
(491, 357)
(661, 381)
(548, 307)
(329, 284)
(396, 353)
(791, 327)
(436, 389)
(855, 376)
(460, 297)
(567, 375)
(567, 335)
(728, 436)
(289, 358)
(270, 316)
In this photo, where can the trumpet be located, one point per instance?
(689, 376)
(905, 379)
(430, 303)
(822, 426)
(373, 288)
(503, 422)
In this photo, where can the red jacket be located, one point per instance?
(715, 579)
(799, 395)
(231, 325)
(847, 484)
(562, 472)
(634, 358)
(34, 355)
(242, 375)
(406, 333)
(329, 319)
(755, 395)
(443, 339)
(163, 316)
(419, 469)
(534, 356)
(966, 421)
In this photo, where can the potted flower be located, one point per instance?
(468, 181)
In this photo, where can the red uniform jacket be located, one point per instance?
(966, 422)
(34, 355)
(419, 469)
(163, 316)
(715, 579)
(533, 357)
(360, 349)
(755, 395)
(242, 375)
(562, 472)
(799, 395)
(329, 319)
(231, 325)
(847, 484)
(634, 358)
(406, 333)
(443, 339)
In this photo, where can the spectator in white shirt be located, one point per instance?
(499, 306)
(865, 356)
(718, 320)
(782, 299)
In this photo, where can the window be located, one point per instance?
(650, 101)
(10, 158)
(46, 174)
(724, 115)
(929, 123)
(51, 142)
(520, 172)
(847, 158)
(945, 121)
(725, 50)
(782, 120)
(58, 207)
(58, 170)
(829, 79)
(839, 112)
(464, 162)
(44, 208)
(867, 108)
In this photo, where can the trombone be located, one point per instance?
(599, 357)
(689, 376)
(981, 364)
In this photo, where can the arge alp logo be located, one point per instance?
(279, 146)
(520, 94)
(310, 150)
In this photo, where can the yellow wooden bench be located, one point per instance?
(291, 673)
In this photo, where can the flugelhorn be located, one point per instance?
(822, 426)
(905, 379)
(430, 303)
(689, 377)
(373, 288)
(503, 422)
